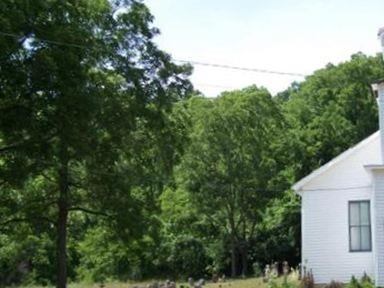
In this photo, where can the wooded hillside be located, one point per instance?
(113, 167)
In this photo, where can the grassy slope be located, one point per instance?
(238, 283)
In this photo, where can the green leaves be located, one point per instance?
(93, 114)
(333, 109)
(85, 102)
(226, 166)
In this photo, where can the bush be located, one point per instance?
(257, 271)
(365, 282)
(307, 281)
(287, 284)
(366, 279)
(272, 283)
(188, 258)
(354, 283)
(105, 258)
(334, 284)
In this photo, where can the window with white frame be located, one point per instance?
(359, 226)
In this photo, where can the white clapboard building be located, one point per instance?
(343, 211)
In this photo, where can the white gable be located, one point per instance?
(346, 170)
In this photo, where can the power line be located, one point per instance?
(44, 40)
(215, 65)
(214, 86)
(224, 66)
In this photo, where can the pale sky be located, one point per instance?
(285, 35)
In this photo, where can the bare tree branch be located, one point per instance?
(25, 142)
(86, 210)
(26, 219)
(10, 147)
(75, 184)
(48, 178)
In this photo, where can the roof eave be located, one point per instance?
(298, 186)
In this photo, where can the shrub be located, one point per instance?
(334, 284)
(257, 271)
(188, 258)
(307, 281)
(294, 275)
(366, 279)
(272, 283)
(287, 284)
(365, 282)
(354, 283)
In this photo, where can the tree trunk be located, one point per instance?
(233, 257)
(62, 245)
(62, 220)
(244, 259)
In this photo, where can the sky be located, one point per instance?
(298, 36)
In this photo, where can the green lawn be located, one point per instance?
(238, 283)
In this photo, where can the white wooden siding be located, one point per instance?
(325, 229)
(378, 237)
(326, 237)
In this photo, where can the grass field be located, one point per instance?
(238, 283)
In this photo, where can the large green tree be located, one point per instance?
(78, 78)
(328, 112)
(227, 166)
(333, 109)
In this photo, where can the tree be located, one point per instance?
(78, 79)
(331, 110)
(226, 166)
(279, 233)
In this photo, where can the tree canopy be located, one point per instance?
(113, 168)
(84, 100)
(226, 165)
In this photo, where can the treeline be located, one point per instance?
(113, 167)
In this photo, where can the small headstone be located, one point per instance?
(285, 268)
(299, 270)
(190, 282)
(275, 269)
(200, 283)
(267, 273)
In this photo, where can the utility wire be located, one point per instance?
(224, 66)
(201, 84)
(44, 40)
(215, 86)
(215, 65)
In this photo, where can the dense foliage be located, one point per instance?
(84, 125)
(112, 168)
